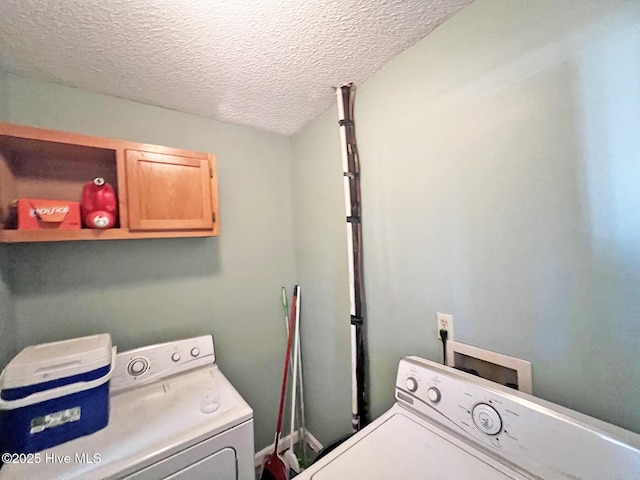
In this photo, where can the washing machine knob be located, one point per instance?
(412, 384)
(176, 357)
(487, 419)
(434, 394)
(195, 352)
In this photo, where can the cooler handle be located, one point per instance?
(58, 391)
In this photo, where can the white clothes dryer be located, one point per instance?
(174, 416)
(449, 424)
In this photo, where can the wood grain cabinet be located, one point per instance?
(168, 192)
(162, 192)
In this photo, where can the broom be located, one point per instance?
(274, 467)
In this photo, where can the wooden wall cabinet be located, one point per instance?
(162, 192)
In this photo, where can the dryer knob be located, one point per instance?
(137, 366)
(195, 352)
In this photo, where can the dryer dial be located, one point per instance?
(137, 366)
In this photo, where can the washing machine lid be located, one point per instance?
(146, 424)
(401, 446)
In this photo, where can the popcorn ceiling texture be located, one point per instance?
(262, 63)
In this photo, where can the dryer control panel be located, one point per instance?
(154, 362)
(536, 434)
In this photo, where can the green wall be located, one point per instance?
(7, 311)
(4, 86)
(499, 177)
(145, 291)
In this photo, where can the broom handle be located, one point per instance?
(292, 320)
(294, 373)
(303, 428)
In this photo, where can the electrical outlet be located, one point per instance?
(444, 321)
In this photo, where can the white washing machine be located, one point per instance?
(173, 416)
(447, 424)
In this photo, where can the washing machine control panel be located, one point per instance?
(447, 396)
(154, 362)
(538, 435)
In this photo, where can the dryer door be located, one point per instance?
(221, 466)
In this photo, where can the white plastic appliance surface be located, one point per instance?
(400, 446)
(448, 424)
(51, 361)
(166, 419)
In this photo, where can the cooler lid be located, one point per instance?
(51, 361)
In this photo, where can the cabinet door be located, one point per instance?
(168, 192)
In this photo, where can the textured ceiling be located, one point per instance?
(269, 64)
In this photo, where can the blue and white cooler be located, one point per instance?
(55, 392)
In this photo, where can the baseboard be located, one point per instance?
(284, 444)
